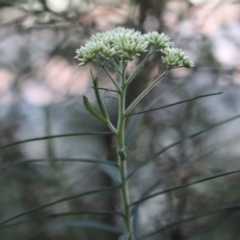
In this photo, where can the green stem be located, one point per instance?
(139, 67)
(119, 133)
(118, 69)
(111, 126)
(122, 157)
(109, 75)
(146, 91)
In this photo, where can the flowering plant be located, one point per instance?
(115, 49)
(118, 47)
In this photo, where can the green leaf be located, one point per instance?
(63, 215)
(173, 104)
(106, 89)
(58, 160)
(135, 211)
(145, 195)
(59, 201)
(184, 185)
(93, 111)
(200, 215)
(146, 161)
(82, 224)
(111, 171)
(210, 225)
(101, 104)
(57, 136)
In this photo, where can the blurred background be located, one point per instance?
(41, 88)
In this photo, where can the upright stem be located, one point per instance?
(122, 157)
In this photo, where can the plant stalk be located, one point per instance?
(122, 158)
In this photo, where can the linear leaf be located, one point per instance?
(92, 110)
(135, 209)
(15, 163)
(63, 215)
(100, 102)
(200, 215)
(184, 185)
(112, 172)
(171, 175)
(173, 104)
(56, 136)
(106, 89)
(59, 201)
(145, 162)
(83, 224)
(209, 226)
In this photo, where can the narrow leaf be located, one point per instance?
(58, 160)
(106, 89)
(63, 215)
(209, 226)
(171, 175)
(173, 104)
(112, 172)
(200, 215)
(59, 201)
(184, 185)
(83, 224)
(99, 100)
(145, 162)
(93, 111)
(57, 136)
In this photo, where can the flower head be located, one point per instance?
(158, 41)
(125, 44)
(174, 57)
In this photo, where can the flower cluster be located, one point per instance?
(127, 43)
(121, 42)
(158, 41)
(174, 57)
